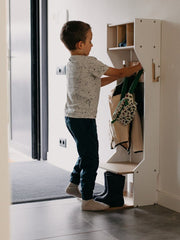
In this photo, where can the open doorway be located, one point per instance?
(28, 138)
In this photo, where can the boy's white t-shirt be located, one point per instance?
(83, 86)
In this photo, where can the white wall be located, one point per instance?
(4, 174)
(98, 14)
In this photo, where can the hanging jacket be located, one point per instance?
(132, 133)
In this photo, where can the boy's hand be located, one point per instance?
(138, 66)
(123, 72)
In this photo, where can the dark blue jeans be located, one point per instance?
(84, 132)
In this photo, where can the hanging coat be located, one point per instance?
(130, 134)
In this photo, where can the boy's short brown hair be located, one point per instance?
(72, 32)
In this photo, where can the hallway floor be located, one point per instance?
(64, 220)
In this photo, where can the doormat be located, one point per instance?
(39, 181)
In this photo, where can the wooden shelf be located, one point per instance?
(121, 48)
(120, 167)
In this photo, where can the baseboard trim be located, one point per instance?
(169, 200)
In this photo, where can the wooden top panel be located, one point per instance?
(119, 24)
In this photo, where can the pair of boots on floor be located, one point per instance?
(112, 196)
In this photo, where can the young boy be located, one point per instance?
(83, 88)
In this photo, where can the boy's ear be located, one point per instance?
(79, 45)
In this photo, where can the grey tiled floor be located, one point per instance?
(64, 220)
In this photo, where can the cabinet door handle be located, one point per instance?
(154, 78)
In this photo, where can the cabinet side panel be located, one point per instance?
(147, 47)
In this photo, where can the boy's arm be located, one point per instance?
(123, 72)
(107, 80)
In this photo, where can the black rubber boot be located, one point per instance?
(105, 185)
(114, 195)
